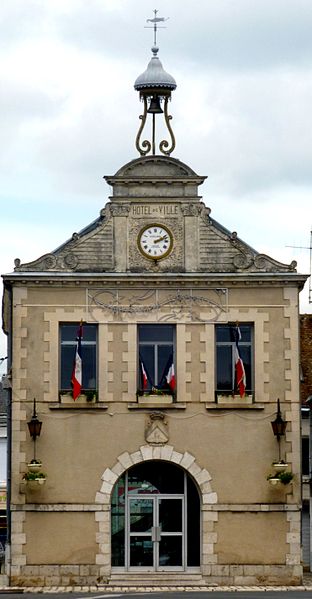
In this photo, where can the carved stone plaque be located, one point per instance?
(156, 432)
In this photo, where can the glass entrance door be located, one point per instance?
(156, 533)
(141, 524)
(170, 522)
(155, 519)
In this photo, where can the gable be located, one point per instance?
(149, 190)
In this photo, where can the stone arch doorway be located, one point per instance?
(155, 519)
(200, 478)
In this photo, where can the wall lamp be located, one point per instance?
(279, 424)
(34, 425)
(279, 427)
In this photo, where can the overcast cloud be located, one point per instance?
(241, 114)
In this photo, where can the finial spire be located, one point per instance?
(155, 26)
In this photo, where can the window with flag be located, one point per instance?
(78, 357)
(156, 368)
(234, 359)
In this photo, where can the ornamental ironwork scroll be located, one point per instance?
(158, 305)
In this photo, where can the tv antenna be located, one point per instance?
(304, 247)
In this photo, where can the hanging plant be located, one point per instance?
(280, 466)
(284, 477)
(34, 465)
(34, 476)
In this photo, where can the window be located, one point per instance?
(156, 357)
(305, 456)
(225, 357)
(68, 336)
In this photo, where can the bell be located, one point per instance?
(154, 107)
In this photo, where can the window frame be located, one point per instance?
(154, 344)
(250, 390)
(72, 343)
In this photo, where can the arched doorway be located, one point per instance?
(155, 519)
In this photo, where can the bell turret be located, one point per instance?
(155, 86)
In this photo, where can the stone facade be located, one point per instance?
(249, 531)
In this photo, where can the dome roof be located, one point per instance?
(154, 76)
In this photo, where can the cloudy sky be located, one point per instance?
(241, 114)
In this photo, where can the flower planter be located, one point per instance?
(34, 467)
(36, 484)
(279, 466)
(274, 481)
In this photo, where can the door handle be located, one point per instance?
(156, 535)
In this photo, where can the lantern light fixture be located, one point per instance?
(34, 425)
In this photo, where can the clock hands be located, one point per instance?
(160, 239)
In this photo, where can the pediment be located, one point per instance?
(155, 167)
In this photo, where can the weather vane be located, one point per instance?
(155, 26)
(155, 86)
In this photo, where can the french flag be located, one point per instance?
(143, 376)
(170, 377)
(239, 365)
(76, 379)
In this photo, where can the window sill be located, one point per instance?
(155, 401)
(67, 398)
(229, 400)
(74, 406)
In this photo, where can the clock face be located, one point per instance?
(155, 241)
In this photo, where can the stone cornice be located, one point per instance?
(197, 278)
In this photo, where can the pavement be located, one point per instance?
(306, 586)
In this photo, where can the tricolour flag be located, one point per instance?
(240, 375)
(143, 376)
(170, 377)
(76, 379)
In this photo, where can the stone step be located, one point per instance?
(157, 579)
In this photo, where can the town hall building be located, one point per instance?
(183, 344)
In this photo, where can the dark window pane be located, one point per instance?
(147, 355)
(165, 353)
(156, 477)
(305, 455)
(141, 515)
(67, 360)
(158, 332)
(69, 332)
(88, 367)
(170, 515)
(223, 333)
(226, 333)
(170, 551)
(141, 551)
(118, 523)
(193, 524)
(224, 368)
(245, 333)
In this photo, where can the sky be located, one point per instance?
(241, 115)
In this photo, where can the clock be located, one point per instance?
(155, 241)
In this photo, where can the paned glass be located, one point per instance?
(141, 551)
(155, 477)
(118, 523)
(170, 551)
